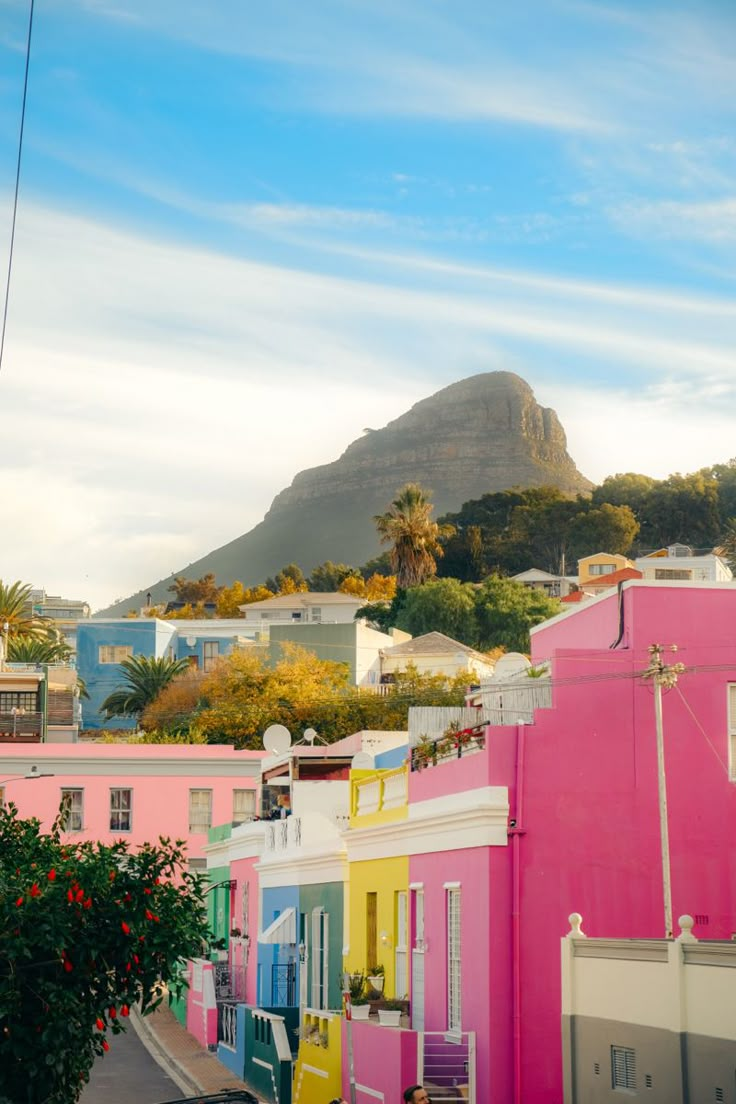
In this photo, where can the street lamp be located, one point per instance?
(34, 772)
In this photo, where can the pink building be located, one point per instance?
(583, 824)
(136, 792)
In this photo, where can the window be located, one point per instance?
(454, 1004)
(73, 812)
(316, 613)
(200, 810)
(114, 653)
(732, 731)
(197, 866)
(601, 569)
(210, 652)
(296, 615)
(623, 1068)
(672, 573)
(244, 805)
(121, 815)
(24, 700)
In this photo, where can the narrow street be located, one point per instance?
(128, 1073)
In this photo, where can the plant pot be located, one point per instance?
(376, 982)
(360, 1011)
(389, 1017)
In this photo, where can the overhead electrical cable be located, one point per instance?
(17, 184)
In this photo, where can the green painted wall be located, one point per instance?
(328, 896)
(218, 902)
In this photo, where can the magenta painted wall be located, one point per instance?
(384, 1058)
(160, 799)
(589, 820)
(478, 979)
(242, 871)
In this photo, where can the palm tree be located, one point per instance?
(26, 648)
(146, 677)
(415, 537)
(16, 610)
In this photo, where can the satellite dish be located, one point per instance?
(512, 663)
(277, 739)
(362, 761)
(310, 735)
(191, 641)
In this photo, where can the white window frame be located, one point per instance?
(194, 822)
(242, 816)
(121, 811)
(401, 946)
(114, 653)
(210, 654)
(623, 1069)
(731, 713)
(74, 819)
(454, 961)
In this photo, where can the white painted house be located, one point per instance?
(309, 606)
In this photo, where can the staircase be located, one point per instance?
(448, 1066)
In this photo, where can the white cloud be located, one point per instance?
(712, 221)
(156, 397)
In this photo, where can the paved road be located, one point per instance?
(128, 1074)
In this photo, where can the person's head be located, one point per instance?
(416, 1094)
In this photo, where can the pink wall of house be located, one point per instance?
(244, 954)
(384, 1057)
(589, 839)
(160, 777)
(201, 1003)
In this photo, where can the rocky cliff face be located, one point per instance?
(485, 433)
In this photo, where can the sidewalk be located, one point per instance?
(186, 1061)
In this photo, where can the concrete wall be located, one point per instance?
(670, 1004)
(275, 901)
(385, 1063)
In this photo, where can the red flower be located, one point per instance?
(80, 895)
(68, 966)
(100, 1024)
(124, 1010)
(127, 898)
(35, 891)
(105, 1044)
(19, 902)
(128, 967)
(157, 881)
(112, 875)
(147, 891)
(51, 875)
(149, 914)
(136, 959)
(69, 896)
(125, 927)
(113, 1011)
(88, 903)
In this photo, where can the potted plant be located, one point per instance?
(375, 976)
(424, 753)
(389, 1014)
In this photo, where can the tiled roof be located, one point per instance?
(433, 643)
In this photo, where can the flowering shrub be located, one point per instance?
(87, 930)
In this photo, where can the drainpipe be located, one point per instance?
(516, 831)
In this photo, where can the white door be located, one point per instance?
(417, 963)
(401, 943)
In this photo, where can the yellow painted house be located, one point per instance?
(591, 568)
(377, 889)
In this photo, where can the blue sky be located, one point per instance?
(247, 231)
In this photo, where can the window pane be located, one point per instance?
(244, 805)
(73, 804)
(200, 810)
(120, 810)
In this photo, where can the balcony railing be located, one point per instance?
(451, 745)
(282, 834)
(20, 724)
(379, 792)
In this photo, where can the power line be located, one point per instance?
(17, 183)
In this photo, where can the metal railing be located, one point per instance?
(446, 1066)
(283, 984)
(227, 1025)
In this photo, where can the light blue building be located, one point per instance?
(103, 644)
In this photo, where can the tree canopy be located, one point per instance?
(88, 930)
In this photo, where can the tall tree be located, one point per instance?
(49, 648)
(414, 537)
(505, 612)
(145, 678)
(328, 576)
(289, 580)
(440, 605)
(195, 590)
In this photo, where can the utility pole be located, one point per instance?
(663, 675)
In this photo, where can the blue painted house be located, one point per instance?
(103, 644)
